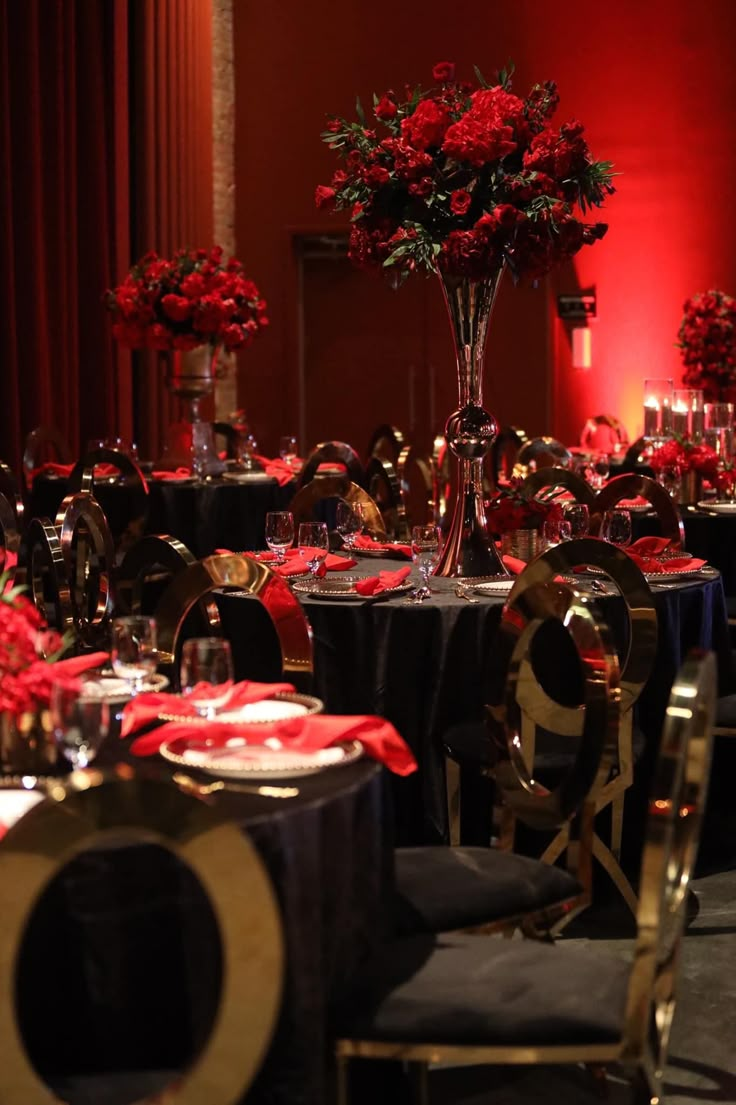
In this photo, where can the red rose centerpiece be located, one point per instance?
(682, 465)
(707, 340)
(466, 180)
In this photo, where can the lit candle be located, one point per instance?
(651, 417)
(679, 418)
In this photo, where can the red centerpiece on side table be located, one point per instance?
(464, 181)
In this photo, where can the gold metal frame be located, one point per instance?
(549, 479)
(45, 570)
(510, 437)
(675, 817)
(386, 441)
(43, 435)
(337, 452)
(10, 537)
(409, 457)
(91, 809)
(197, 580)
(151, 552)
(89, 556)
(544, 452)
(336, 487)
(385, 490)
(82, 478)
(629, 486)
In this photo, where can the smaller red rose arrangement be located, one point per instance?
(29, 656)
(686, 455)
(510, 511)
(193, 299)
(707, 340)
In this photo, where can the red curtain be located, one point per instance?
(105, 143)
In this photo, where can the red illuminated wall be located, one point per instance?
(655, 86)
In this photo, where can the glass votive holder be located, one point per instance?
(657, 407)
(719, 428)
(688, 413)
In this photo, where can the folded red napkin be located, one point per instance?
(638, 500)
(309, 733)
(516, 566)
(176, 474)
(651, 546)
(295, 563)
(279, 469)
(384, 581)
(653, 565)
(147, 708)
(332, 466)
(364, 542)
(51, 468)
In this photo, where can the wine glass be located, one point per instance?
(207, 660)
(425, 552)
(616, 527)
(313, 542)
(288, 450)
(80, 723)
(279, 533)
(578, 515)
(601, 469)
(555, 530)
(133, 654)
(669, 477)
(349, 521)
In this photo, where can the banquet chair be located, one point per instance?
(129, 527)
(441, 889)
(42, 569)
(629, 486)
(11, 521)
(94, 812)
(231, 436)
(308, 499)
(542, 452)
(545, 482)
(473, 749)
(338, 454)
(146, 568)
(196, 581)
(414, 472)
(43, 444)
(466, 999)
(89, 561)
(385, 490)
(386, 441)
(504, 454)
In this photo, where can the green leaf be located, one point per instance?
(480, 78)
(359, 110)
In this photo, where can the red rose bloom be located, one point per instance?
(427, 126)
(444, 71)
(324, 197)
(376, 176)
(460, 202)
(385, 108)
(176, 307)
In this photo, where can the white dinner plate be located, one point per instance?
(239, 760)
(716, 507)
(493, 586)
(282, 705)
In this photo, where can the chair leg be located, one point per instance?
(342, 1070)
(611, 865)
(617, 826)
(452, 782)
(419, 1075)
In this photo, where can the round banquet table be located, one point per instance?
(426, 668)
(218, 513)
(116, 924)
(710, 536)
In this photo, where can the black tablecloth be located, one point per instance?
(114, 923)
(216, 514)
(710, 537)
(427, 667)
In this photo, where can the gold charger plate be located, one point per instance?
(239, 760)
(343, 589)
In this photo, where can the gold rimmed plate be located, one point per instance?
(279, 707)
(716, 506)
(344, 589)
(237, 759)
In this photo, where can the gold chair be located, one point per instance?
(42, 568)
(42, 444)
(504, 453)
(414, 472)
(155, 558)
(337, 453)
(89, 555)
(304, 503)
(386, 441)
(11, 521)
(549, 480)
(90, 810)
(542, 452)
(196, 581)
(385, 490)
(442, 889)
(629, 486)
(83, 478)
(467, 999)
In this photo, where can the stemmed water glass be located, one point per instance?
(288, 448)
(134, 656)
(578, 515)
(616, 527)
(80, 724)
(207, 660)
(279, 533)
(349, 521)
(425, 552)
(314, 542)
(555, 530)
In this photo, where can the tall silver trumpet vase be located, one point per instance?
(470, 430)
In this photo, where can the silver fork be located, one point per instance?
(462, 593)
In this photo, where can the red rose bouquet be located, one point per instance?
(707, 339)
(510, 511)
(193, 299)
(29, 652)
(464, 177)
(686, 455)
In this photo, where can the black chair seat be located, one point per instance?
(475, 990)
(726, 712)
(440, 889)
(731, 607)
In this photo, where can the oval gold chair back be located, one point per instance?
(629, 486)
(304, 503)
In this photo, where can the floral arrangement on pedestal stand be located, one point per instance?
(189, 308)
(465, 181)
(30, 666)
(707, 341)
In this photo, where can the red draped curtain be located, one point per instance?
(105, 143)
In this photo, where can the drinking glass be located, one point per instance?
(314, 542)
(80, 724)
(349, 521)
(288, 449)
(133, 654)
(425, 552)
(578, 515)
(279, 533)
(601, 469)
(616, 527)
(556, 529)
(669, 478)
(207, 660)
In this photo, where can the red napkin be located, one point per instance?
(296, 563)
(177, 474)
(651, 546)
(639, 500)
(146, 708)
(374, 585)
(330, 466)
(51, 468)
(309, 734)
(364, 542)
(671, 564)
(516, 566)
(279, 469)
